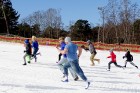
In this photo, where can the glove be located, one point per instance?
(123, 57)
(24, 51)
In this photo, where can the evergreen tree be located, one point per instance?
(8, 18)
(81, 30)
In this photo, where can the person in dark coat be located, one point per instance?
(129, 58)
(27, 52)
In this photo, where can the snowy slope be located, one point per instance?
(45, 77)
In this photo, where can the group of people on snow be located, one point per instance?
(28, 50)
(68, 58)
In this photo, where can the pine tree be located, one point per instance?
(8, 18)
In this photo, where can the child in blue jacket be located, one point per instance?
(35, 47)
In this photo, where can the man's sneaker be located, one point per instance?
(24, 64)
(66, 80)
(87, 86)
(76, 78)
(108, 69)
(136, 67)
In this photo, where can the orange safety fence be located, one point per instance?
(98, 45)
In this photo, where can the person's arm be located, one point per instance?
(79, 51)
(62, 51)
(131, 57)
(58, 45)
(85, 48)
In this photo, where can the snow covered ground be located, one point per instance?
(45, 77)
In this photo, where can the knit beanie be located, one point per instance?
(67, 39)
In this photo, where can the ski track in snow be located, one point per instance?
(44, 76)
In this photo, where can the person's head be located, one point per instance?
(26, 41)
(61, 39)
(128, 51)
(33, 38)
(67, 40)
(88, 42)
(111, 50)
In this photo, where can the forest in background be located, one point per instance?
(120, 24)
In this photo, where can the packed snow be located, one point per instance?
(44, 76)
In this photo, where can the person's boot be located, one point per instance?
(136, 67)
(87, 86)
(124, 66)
(24, 64)
(76, 78)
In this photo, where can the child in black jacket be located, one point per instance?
(129, 58)
(28, 51)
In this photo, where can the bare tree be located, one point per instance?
(50, 18)
(102, 12)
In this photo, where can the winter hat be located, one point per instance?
(111, 50)
(67, 39)
(26, 41)
(88, 41)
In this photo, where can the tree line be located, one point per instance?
(120, 23)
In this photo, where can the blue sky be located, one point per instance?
(71, 10)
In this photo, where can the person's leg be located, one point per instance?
(109, 65)
(115, 63)
(34, 54)
(133, 64)
(61, 63)
(125, 63)
(65, 67)
(24, 57)
(92, 59)
(73, 73)
(59, 56)
(75, 66)
(98, 60)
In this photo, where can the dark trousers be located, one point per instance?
(59, 56)
(130, 63)
(115, 63)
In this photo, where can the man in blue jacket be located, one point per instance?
(73, 60)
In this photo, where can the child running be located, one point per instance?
(28, 51)
(129, 58)
(35, 47)
(113, 60)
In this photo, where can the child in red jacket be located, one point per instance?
(113, 60)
